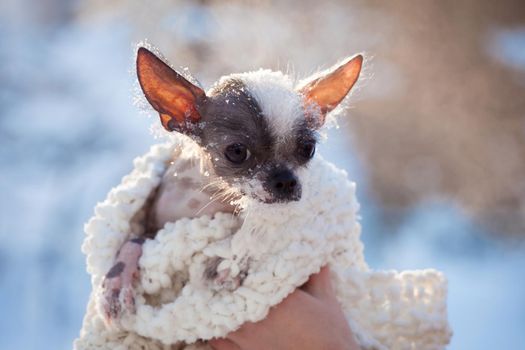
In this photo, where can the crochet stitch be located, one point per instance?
(283, 245)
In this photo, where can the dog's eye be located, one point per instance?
(237, 153)
(306, 149)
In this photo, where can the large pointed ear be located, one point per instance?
(169, 93)
(330, 88)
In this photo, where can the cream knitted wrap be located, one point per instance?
(285, 244)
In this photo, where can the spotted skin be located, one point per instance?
(179, 195)
(194, 203)
(116, 270)
(231, 116)
(117, 287)
(259, 112)
(183, 193)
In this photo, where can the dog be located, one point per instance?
(252, 132)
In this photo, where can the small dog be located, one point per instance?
(253, 131)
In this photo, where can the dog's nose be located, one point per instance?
(284, 182)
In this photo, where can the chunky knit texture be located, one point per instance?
(283, 244)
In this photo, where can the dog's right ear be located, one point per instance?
(169, 93)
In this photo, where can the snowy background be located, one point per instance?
(69, 131)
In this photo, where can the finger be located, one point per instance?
(223, 344)
(247, 332)
(278, 315)
(320, 285)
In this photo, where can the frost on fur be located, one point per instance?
(282, 100)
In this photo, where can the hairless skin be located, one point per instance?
(253, 133)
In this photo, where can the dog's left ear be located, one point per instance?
(331, 87)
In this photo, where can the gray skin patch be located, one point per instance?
(188, 182)
(116, 270)
(193, 203)
(210, 272)
(231, 115)
(139, 240)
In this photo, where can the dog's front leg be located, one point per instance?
(117, 287)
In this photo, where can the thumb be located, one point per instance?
(319, 285)
(223, 344)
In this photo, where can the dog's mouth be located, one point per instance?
(263, 194)
(269, 199)
(294, 197)
(280, 200)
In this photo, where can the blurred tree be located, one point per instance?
(443, 115)
(456, 127)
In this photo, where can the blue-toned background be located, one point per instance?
(434, 137)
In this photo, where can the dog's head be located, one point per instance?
(256, 128)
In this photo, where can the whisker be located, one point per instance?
(245, 217)
(206, 205)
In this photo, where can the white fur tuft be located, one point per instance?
(278, 100)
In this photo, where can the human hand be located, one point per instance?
(308, 319)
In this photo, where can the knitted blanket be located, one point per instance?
(284, 244)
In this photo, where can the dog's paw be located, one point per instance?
(221, 277)
(225, 280)
(117, 293)
(117, 288)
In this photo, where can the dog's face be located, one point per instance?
(250, 150)
(256, 128)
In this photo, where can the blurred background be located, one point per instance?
(434, 137)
